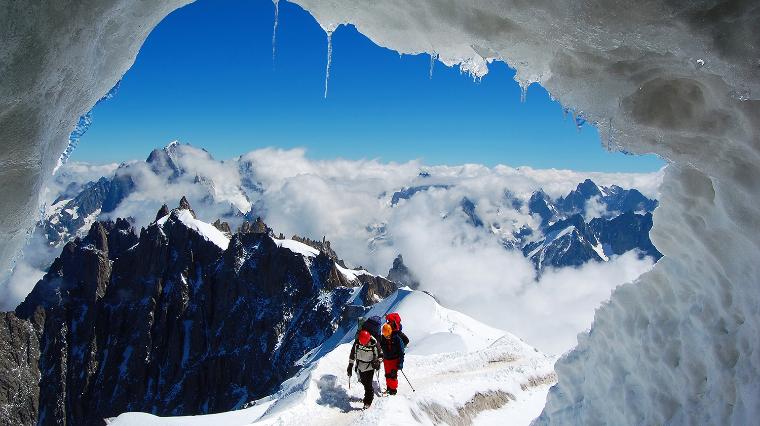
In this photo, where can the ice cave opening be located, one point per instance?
(678, 80)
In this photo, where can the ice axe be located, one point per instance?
(407, 380)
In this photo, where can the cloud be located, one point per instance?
(349, 202)
(466, 267)
(19, 284)
(26, 272)
(594, 208)
(472, 273)
(214, 188)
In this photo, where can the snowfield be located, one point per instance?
(463, 372)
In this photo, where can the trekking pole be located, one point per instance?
(407, 380)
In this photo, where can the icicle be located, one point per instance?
(329, 59)
(575, 119)
(609, 135)
(523, 92)
(579, 119)
(274, 27)
(433, 57)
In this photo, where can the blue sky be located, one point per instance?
(205, 76)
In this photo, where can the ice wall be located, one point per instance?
(57, 58)
(679, 79)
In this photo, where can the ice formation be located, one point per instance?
(274, 27)
(329, 59)
(679, 79)
(56, 60)
(433, 57)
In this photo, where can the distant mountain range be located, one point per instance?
(564, 237)
(590, 223)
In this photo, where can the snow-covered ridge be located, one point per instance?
(297, 247)
(308, 251)
(210, 233)
(206, 230)
(460, 368)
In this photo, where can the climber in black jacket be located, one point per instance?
(393, 347)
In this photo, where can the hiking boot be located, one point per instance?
(366, 405)
(391, 391)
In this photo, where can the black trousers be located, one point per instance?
(365, 377)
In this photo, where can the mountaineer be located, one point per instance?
(367, 355)
(393, 347)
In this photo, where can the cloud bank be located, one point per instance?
(350, 203)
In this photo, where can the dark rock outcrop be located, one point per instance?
(567, 242)
(407, 193)
(542, 205)
(573, 242)
(626, 232)
(223, 226)
(185, 205)
(374, 288)
(400, 273)
(256, 227)
(468, 207)
(102, 196)
(323, 246)
(167, 322)
(19, 364)
(163, 211)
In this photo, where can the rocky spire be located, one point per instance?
(399, 273)
(97, 237)
(185, 205)
(164, 210)
(257, 227)
(223, 226)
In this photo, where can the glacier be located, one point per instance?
(678, 79)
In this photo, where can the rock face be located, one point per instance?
(573, 242)
(98, 197)
(19, 381)
(570, 240)
(400, 273)
(167, 322)
(407, 193)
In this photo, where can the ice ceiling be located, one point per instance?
(677, 78)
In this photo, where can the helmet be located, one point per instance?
(364, 337)
(387, 330)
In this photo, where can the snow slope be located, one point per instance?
(206, 230)
(462, 371)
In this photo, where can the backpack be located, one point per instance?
(394, 319)
(372, 325)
